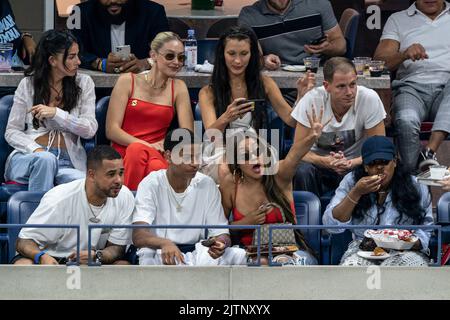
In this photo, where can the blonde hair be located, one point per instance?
(162, 38)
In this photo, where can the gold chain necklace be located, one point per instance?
(163, 86)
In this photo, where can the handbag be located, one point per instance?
(280, 237)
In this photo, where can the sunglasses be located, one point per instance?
(379, 163)
(170, 56)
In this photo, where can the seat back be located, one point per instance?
(349, 26)
(206, 50)
(307, 210)
(443, 209)
(6, 103)
(178, 26)
(216, 30)
(101, 108)
(20, 207)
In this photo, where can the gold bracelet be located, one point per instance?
(351, 200)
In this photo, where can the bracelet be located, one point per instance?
(38, 256)
(104, 65)
(26, 34)
(351, 200)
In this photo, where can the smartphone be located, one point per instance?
(123, 52)
(255, 101)
(318, 40)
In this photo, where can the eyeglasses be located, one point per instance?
(379, 163)
(170, 56)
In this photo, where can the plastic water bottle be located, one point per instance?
(190, 49)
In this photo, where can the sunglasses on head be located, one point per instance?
(379, 162)
(170, 56)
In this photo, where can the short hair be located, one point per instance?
(162, 38)
(337, 64)
(178, 136)
(99, 153)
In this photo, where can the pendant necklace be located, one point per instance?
(94, 219)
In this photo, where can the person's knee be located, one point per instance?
(23, 262)
(136, 148)
(405, 123)
(121, 263)
(45, 159)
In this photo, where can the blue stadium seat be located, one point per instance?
(101, 109)
(443, 216)
(6, 190)
(20, 207)
(349, 26)
(206, 50)
(307, 209)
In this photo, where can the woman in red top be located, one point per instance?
(248, 186)
(142, 107)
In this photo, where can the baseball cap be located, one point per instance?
(377, 148)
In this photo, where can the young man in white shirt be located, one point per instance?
(99, 198)
(415, 43)
(181, 195)
(353, 113)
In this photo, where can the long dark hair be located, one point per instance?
(52, 43)
(220, 80)
(272, 190)
(405, 195)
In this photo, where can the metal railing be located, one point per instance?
(47, 226)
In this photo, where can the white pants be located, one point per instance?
(198, 257)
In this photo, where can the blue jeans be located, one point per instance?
(42, 170)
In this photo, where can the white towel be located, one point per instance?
(206, 67)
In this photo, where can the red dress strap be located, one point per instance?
(173, 94)
(132, 85)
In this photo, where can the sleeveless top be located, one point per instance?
(146, 120)
(273, 216)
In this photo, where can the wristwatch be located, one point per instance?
(116, 70)
(99, 256)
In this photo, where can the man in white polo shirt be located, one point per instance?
(181, 196)
(416, 44)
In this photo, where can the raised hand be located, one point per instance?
(315, 122)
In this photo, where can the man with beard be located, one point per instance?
(99, 198)
(107, 24)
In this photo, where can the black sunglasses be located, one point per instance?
(170, 56)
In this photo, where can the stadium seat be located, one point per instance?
(349, 26)
(206, 50)
(6, 190)
(20, 207)
(307, 210)
(100, 114)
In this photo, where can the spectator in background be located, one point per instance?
(356, 112)
(285, 29)
(381, 192)
(414, 44)
(142, 107)
(99, 198)
(23, 43)
(54, 106)
(106, 24)
(181, 196)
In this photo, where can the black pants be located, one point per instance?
(315, 179)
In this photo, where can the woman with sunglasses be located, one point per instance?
(381, 192)
(256, 189)
(53, 108)
(142, 107)
(236, 78)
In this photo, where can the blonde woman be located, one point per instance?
(142, 107)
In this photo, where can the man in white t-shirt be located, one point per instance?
(416, 43)
(354, 113)
(99, 198)
(181, 196)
